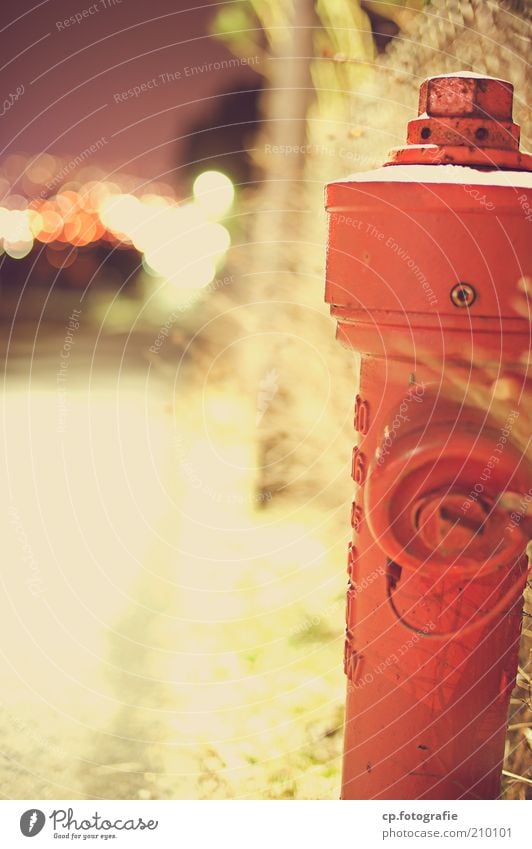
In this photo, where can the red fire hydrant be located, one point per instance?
(425, 260)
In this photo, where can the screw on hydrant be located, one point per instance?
(463, 295)
(421, 277)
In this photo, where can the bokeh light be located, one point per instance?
(214, 193)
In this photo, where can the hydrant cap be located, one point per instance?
(464, 119)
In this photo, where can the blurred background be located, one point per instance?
(176, 414)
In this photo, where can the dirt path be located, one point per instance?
(163, 637)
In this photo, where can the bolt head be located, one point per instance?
(463, 295)
(466, 95)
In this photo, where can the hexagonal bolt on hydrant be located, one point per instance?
(424, 261)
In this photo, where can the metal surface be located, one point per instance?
(464, 119)
(422, 277)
